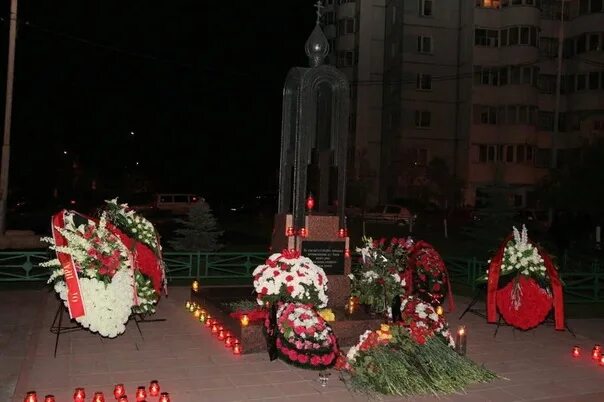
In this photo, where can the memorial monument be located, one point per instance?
(312, 177)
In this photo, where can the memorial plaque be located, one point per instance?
(329, 255)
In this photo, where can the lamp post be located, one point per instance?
(10, 72)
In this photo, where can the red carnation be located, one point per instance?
(264, 291)
(302, 358)
(327, 359)
(315, 360)
(290, 289)
(289, 278)
(293, 356)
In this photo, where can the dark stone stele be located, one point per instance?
(328, 255)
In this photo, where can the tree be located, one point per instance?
(199, 231)
(577, 184)
(493, 217)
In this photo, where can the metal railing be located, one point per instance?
(24, 266)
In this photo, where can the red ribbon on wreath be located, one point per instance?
(75, 304)
(411, 266)
(493, 283)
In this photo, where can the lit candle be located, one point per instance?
(209, 321)
(141, 394)
(245, 320)
(290, 232)
(195, 286)
(31, 397)
(123, 398)
(192, 307)
(228, 342)
(197, 313)
(154, 388)
(221, 335)
(79, 395)
(188, 305)
(119, 391)
(165, 397)
(461, 341)
(214, 329)
(49, 398)
(98, 397)
(576, 351)
(202, 318)
(440, 310)
(602, 361)
(596, 352)
(237, 349)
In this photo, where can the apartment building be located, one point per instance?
(473, 83)
(356, 35)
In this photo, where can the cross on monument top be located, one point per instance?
(319, 5)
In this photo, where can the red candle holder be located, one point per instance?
(123, 398)
(214, 329)
(576, 351)
(228, 342)
(221, 335)
(342, 233)
(209, 321)
(310, 203)
(164, 397)
(289, 232)
(119, 391)
(49, 398)
(347, 253)
(31, 396)
(98, 397)
(79, 395)
(602, 361)
(237, 349)
(154, 388)
(141, 394)
(303, 232)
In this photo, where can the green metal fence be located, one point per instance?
(23, 266)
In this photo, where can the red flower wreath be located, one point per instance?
(523, 303)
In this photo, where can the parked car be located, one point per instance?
(389, 213)
(174, 203)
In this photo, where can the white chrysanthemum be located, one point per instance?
(107, 307)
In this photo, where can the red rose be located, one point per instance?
(302, 358)
(264, 291)
(289, 278)
(275, 273)
(290, 289)
(327, 359)
(315, 360)
(293, 356)
(271, 263)
(436, 287)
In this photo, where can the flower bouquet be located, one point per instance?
(422, 322)
(304, 339)
(97, 275)
(381, 275)
(392, 361)
(290, 277)
(528, 296)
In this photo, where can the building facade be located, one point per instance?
(356, 35)
(473, 84)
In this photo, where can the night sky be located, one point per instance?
(199, 85)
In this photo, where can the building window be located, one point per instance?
(422, 119)
(594, 80)
(330, 18)
(482, 153)
(488, 3)
(509, 153)
(423, 82)
(594, 42)
(346, 26)
(425, 7)
(486, 37)
(485, 114)
(513, 36)
(424, 44)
